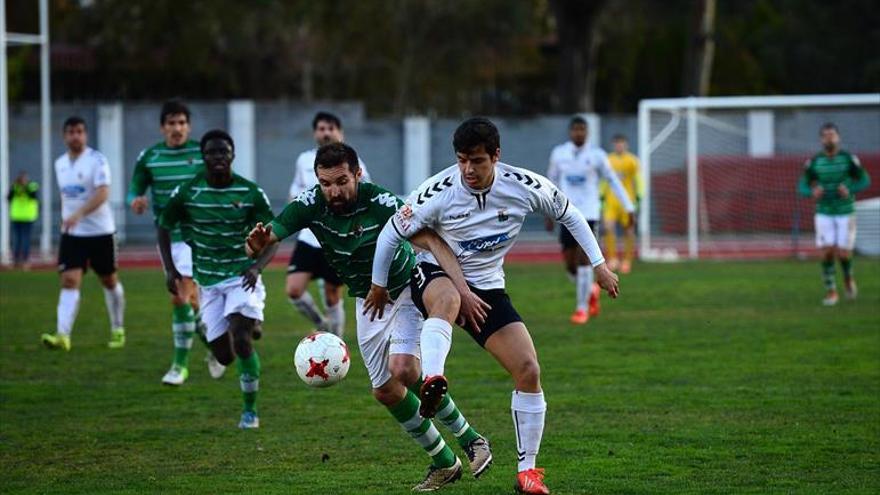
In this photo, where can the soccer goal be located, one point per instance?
(721, 172)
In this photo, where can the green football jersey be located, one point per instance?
(162, 168)
(349, 239)
(215, 223)
(830, 172)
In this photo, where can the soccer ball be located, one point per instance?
(321, 359)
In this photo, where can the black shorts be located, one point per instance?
(309, 259)
(99, 252)
(501, 314)
(568, 241)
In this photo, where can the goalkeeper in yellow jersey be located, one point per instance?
(627, 167)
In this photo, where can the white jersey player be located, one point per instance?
(577, 170)
(478, 207)
(307, 261)
(87, 235)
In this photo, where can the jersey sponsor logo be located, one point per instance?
(575, 180)
(73, 190)
(487, 243)
(385, 199)
(307, 197)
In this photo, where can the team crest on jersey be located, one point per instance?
(236, 204)
(358, 230)
(502, 215)
(306, 197)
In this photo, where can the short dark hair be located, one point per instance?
(335, 154)
(173, 107)
(216, 134)
(74, 120)
(619, 137)
(326, 117)
(577, 120)
(828, 126)
(474, 132)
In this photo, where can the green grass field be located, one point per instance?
(702, 378)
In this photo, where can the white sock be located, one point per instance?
(68, 306)
(115, 300)
(528, 421)
(336, 318)
(306, 306)
(436, 341)
(584, 285)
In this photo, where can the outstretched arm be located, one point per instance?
(260, 238)
(390, 238)
(616, 185)
(575, 222)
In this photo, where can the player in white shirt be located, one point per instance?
(307, 261)
(577, 169)
(478, 207)
(87, 235)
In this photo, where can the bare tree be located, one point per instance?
(701, 50)
(576, 22)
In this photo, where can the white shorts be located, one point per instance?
(835, 231)
(228, 297)
(182, 257)
(396, 333)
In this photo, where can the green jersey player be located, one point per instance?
(346, 216)
(213, 213)
(161, 168)
(832, 177)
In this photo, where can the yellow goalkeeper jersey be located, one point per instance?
(626, 165)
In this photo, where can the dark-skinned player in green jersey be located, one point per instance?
(214, 212)
(346, 216)
(160, 168)
(832, 177)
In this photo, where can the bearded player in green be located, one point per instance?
(214, 212)
(346, 215)
(162, 167)
(832, 177)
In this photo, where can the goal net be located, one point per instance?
(721, 173)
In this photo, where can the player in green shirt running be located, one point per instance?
(161, 168)
(214, 212)
(832, 177)
(346, 216)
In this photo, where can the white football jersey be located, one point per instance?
(304, 178)
(479, 226)
(577, 171)
(77, 181)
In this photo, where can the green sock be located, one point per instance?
(846, 265)
(202, 329)
(828, 275)
(452, 418)
(249, 377)
(183, 326)
(423, 431)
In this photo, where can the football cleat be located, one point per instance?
(431, 394)
(850, 289)
(479, 455)
(580, 317)
(175, 376)
(831, 298)
(117, 338)
(215, 369)
(626, 267)
(249, 421)
(437, 477)
(56, 341)
(594, 300)
(531, 482)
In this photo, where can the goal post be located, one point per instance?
(721, 172)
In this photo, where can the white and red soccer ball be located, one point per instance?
(321, 359)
